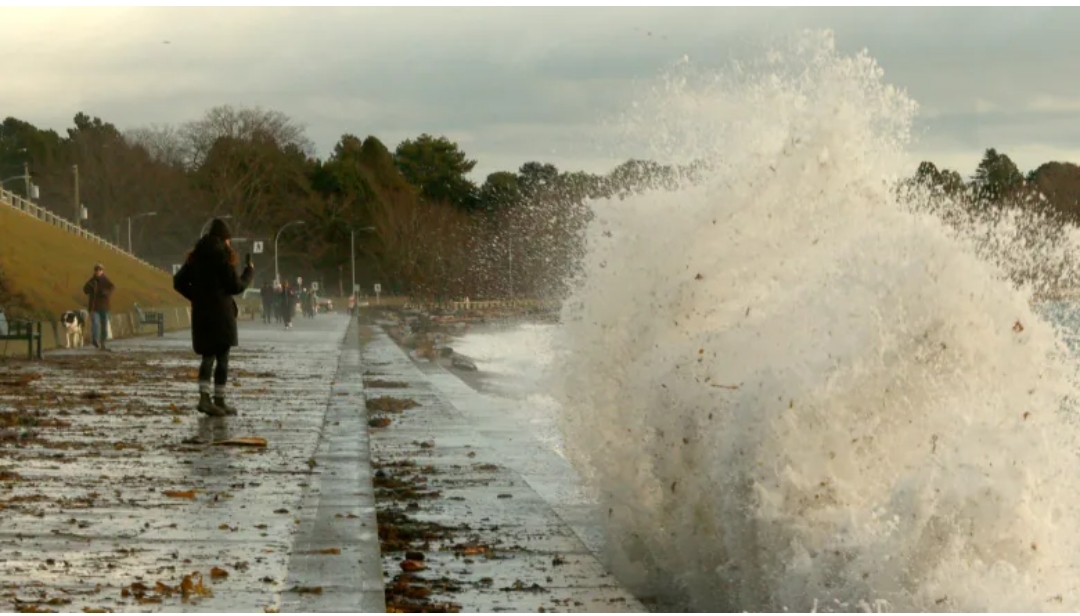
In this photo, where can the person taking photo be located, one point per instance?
(208, 279)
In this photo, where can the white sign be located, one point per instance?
(257, 247)
(378, 288)
(314, 286)
(176, 268)
(356, 289)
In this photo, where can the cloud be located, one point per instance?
(529, 83)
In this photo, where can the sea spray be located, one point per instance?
(791, 390)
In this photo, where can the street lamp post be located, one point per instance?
(136, 217)
(25, 177)
(277, 276)
(11, 179)
(78, 202)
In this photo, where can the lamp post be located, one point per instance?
(11, 179)
(352, 254)
(277, 276)
(25, 177)
(78, 202)
(136, 217)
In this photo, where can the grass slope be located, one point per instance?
(49, 266)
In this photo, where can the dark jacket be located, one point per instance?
(98, 291)
(209, 282)
(288, 302)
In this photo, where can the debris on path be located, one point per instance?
(458, 532)
(117, 495)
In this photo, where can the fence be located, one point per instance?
(12, 200)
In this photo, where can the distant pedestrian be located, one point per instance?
(99, 291)
(267, 294)
(209, 281)
(307, 301)
(279, 305)
(288, 303)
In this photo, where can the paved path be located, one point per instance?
(522, 534)
(112, 491)
(108, 483)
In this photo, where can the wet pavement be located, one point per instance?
(475, 513)
(116, 495)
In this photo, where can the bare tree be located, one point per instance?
(164, 143)
(243, 124)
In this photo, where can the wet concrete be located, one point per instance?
(497, 517)
(114, 496)
(112, 493)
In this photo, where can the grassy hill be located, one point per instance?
(45, 268)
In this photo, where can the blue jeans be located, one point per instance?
(98, 321)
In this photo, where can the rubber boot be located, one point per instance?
(219, 401)
(207, 407)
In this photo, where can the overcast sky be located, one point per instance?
(512, 85)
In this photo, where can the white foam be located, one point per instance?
(794, 393)
(515, 363)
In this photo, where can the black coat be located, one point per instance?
(288, 302)
(209, 282)
(266, 292)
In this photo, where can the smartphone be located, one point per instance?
(247, 259)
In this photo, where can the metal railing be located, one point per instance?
(14, 201)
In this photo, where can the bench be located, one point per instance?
(151, 318)
(22, 329)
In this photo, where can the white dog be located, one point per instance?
(74, 324)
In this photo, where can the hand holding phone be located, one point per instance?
(247, 260)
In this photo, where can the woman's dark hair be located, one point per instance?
(231, 255)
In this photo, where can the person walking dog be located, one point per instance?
(99, 291)
(209, 281)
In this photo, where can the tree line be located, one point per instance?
(1019, 221)
(1052, 187)
(422, 227)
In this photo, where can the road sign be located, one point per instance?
(257, 247)
(314, 286)
(378, 288)
(176, 268)
(355, 289)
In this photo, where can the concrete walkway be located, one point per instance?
(112, 492)
(506, 525)
(116, 495)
